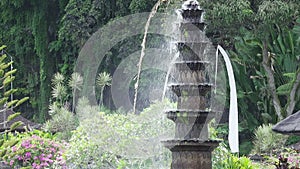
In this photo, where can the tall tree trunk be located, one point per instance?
(101, 97)
(40, 32)
(291, 101)
(271, 80)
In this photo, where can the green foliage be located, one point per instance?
(6, 78)
(266, 140)
(141, 5)
(75, 83)
(33, 149)
(63, 122)
(225, 18)
(103, 79)
(118, 140)
(222, 158)
(293, 139)
(286, 159)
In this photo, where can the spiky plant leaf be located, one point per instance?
(58, 90)
(53, 109)
(103, 79)
(57, 79)
(76, 81)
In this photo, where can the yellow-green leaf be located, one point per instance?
(2, 47)
(1, 142)
(7, 80)
(12, 116)
(9, 92)
(11, 103)
(9, 73)
(15, 125)
(4, 66)
(10, 143)
(22, 101)
(3, 101)
(2, 152)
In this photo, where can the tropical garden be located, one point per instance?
(40, 45)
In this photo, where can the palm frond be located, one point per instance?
(104, 79)
(57, 79)
(58, 91)
(76, 81)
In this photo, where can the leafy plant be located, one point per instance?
(103, 79)
(59, 90)
(288, 159)
(222, 158)
(63, 122)
(35, 150)
(75, 83)
(266, 140)
(118, 140)
(6, 78)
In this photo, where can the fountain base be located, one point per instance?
(192, 153)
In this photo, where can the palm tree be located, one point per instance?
(75, 83)
(103, 79)
(59, 91)
(57, 79)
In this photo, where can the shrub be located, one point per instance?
(119, 140)
(34, 150)
(222, 158)
(288, 159)
(63, 122)
(266, 140)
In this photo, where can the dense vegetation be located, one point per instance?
(45, 37)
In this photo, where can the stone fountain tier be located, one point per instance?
(191, 36)
(192, 15)
(192, 153)
(195, 65)
(191, 147)
(192, 51)
(193, 27)
(190, 89)
(190, 124)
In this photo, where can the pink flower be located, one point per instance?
(27, 155)
(11, 162)
(26, 144)
(14, 148)
(49, 156)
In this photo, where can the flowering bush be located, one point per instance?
(291, 161)
(35, 152)
(286, 159)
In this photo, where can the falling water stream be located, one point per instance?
(136, 86)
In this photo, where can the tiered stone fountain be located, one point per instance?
(191, 148)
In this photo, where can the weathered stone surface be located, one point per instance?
(191, 148)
